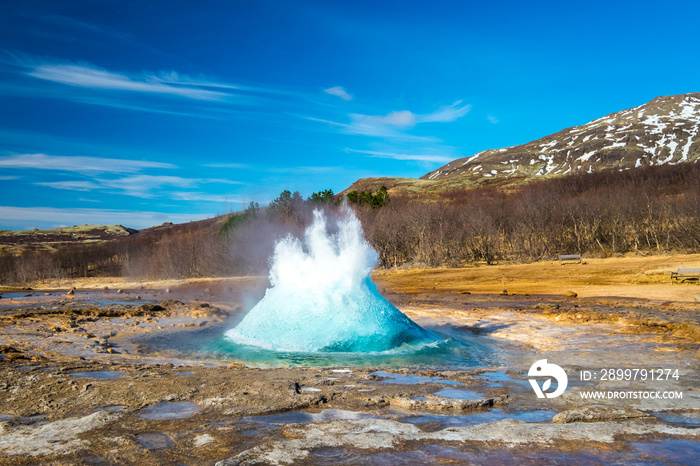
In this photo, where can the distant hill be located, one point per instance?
(51, 240)
(663, 131)
(46, 239)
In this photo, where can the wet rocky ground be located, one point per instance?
(81, 383)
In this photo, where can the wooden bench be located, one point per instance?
(686, 275)
(570, 259)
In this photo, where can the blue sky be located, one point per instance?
(140, 112)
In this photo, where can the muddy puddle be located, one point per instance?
(169, 410)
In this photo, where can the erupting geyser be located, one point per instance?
(322, 299)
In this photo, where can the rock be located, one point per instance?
(697, 297)
(5, 349)
(570, 294)
(597, 415)
(120, 291)
(465, 292)
(146, 309)
(71, 292)
(58, 437)
(170, 303)
(376, 434)
(168, 290)
(447, 403)
(106, 288)
(202, 440)
(504, 293)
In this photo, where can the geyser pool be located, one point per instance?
(322, 309)
(322, 299)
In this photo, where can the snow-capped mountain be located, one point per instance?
(663, 131)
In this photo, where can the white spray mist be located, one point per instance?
(322, 298)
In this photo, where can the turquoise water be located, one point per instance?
(322, 308)
(438, 350)
(322, 298)
(340, 317)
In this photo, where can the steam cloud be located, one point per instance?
(321, 297)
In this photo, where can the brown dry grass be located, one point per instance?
(630, 276)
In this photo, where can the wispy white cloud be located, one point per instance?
(78, 164)
(182, 79)
(204, 197)
(89, 76)
(21, 216)
(268, 169)
(157, 83)
(138, 186)
(374, 126)
(219, 180)
(143, 186)
(338, 91)
(433, 158)
(70, 185)
(445, 114)
(369, 123)
(107, 102)
(173, 77)
(325, 121)
(7, 178)
(395, 124)
(160, 92)
(493, 119)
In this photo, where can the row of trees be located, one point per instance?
(368, 199)
(237, 244)
(654, 209)
(642, 210)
